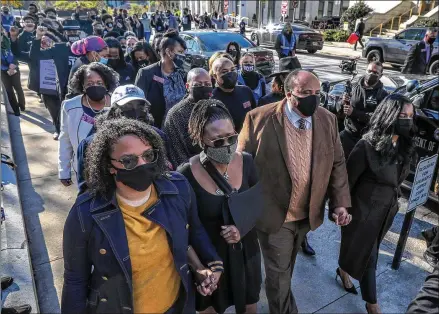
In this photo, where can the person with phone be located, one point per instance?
(358, 108)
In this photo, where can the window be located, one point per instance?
(321, 7)
(191, 43)
(411, 34)
(330, 8)
(219, 41)
(302, 10)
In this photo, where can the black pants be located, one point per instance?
(280, 251)
(359, 41)
(12, 83)
(427, 299)
(348, 141)
(368, 281)
(53, 104)
(433, 249)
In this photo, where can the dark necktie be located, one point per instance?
(302, 125)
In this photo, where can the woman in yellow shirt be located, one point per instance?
(126, 238)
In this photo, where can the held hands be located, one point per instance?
(66, 182)
(230, 234)
(341, 216)
(208, 281)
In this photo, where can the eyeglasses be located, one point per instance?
(225, 141)
(374, 72)
(130, 162)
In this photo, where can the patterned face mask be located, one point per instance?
(222, 155)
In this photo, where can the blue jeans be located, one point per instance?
(147, 36)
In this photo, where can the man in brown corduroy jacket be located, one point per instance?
(300, 162)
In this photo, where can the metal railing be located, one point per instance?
(392, 20)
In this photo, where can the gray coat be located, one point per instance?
(374, 194)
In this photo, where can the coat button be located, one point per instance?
(104, 278)
(103, 300)
(103, 251)
(187, 226)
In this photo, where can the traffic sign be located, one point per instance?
(421, 182)
(284, 7)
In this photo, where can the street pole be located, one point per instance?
(294, 14)
(405, 230)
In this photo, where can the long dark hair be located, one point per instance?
(147, 49)
(238, 51)
(382, 128)
(114, 43)
(98, 161)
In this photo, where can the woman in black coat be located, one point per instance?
(377, 166)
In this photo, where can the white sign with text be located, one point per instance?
(421, 182)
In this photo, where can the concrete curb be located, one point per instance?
(15, 258)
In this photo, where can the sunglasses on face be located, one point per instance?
(130, 162)
(225, 141)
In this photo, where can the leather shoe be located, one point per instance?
(306, 248)
(21, 309)
(430, 259)
(428, 235)
(6, 282)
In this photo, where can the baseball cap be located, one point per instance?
(126, 93)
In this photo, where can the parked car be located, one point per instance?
(202, 44)
(394, 50)
(326, 22)
(425, 96)
(306, 38)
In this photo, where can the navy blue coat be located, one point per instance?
(94, 235)
(63, 59)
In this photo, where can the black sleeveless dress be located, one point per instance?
(210, 208)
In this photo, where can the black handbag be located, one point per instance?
(242, 210)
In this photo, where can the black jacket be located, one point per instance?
(270, 98)
(21, 47)
(416, 61)
(360, 28)
(126, 73)
(374, 190)
(364, 103)
(62, 56)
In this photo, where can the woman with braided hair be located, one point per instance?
(212, 128)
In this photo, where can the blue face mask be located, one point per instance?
(103, 60)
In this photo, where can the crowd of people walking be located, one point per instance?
(186, 181)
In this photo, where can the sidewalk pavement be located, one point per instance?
(46, 204)
(15, 259)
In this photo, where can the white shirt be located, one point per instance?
(294, 118)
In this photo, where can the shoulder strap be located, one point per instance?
(219, 180)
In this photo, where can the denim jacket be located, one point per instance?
(97, 266)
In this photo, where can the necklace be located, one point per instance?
(89, 106)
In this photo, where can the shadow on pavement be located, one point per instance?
(37, 245)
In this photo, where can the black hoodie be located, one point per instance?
(364, 102)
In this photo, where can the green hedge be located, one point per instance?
(337, 35)
(430, 22)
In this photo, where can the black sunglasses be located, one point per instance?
(130, 162)
(225, 141)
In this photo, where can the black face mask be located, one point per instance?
(233, 53)
(431, 40)
(308, 105)
(99, 32)
(179, 60)
(229, 80)
(140, 178)
(371, 79)
(113, 63)
(404, 127)
(143, 63)
(201, 92)
(96, 93)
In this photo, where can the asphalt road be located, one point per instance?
(46, 203)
